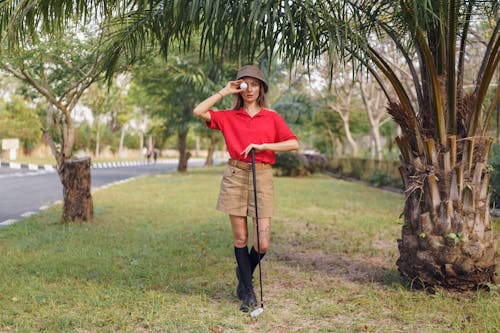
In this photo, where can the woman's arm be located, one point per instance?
(278, 146)
(201, 110)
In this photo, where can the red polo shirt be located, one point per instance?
(240, 130)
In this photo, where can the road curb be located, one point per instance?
(35, 167)
(95, 165)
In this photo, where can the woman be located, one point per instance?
(248, 125)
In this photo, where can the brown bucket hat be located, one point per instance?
(254, 72)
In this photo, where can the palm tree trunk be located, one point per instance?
(447, 238)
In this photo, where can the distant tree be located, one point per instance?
(172, 89)
(20, 120)
(59, 69)
(106, 102)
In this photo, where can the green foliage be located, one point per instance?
(378, 173)
(132, 141)
(295, 164)
(457, 238)
(379, 179)
(57, 62)
(170, 91)
(325, 127)
(290, 164)
(494, 162)
(19, 120)
(315, 163)
(83, 136)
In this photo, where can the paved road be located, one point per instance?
(24, 192)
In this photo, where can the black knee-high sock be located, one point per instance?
(243, 260)
(254, 258)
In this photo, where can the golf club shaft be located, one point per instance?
(254, 178)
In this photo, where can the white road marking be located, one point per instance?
(8, 222)
(27, 214)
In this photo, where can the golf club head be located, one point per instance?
(256, 312)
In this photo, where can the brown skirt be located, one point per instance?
(236, 195)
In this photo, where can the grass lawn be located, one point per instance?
(159, 258)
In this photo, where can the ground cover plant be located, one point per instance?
(158, 258)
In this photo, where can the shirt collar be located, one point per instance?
(241, 111)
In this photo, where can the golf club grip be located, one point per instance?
(254, 178)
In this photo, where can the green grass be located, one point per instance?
(158, 257)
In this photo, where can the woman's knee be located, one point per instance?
(264, 245)
(240, 231)
(264, 235)
(240, 241)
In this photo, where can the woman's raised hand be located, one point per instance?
(232, 87)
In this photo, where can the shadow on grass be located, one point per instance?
(355, 268)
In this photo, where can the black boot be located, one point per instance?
(249, 300)
(254, 258)
(243, 270)
(240, 290)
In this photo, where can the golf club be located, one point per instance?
(257, 311)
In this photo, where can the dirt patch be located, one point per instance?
(356, 268)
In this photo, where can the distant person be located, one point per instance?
(149, 155)
(155, 154)
(248, 125)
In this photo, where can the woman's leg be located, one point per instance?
(240, 230)
(244, 271)
(264, 239)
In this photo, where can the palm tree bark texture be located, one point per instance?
(447, 237)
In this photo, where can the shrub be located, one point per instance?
(378, 173)
(315, 162)
(379, 179)
(290, 164)
(495, 176)
(294, 164)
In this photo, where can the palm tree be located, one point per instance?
(447, 239)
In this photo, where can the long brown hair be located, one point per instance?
(261, 100)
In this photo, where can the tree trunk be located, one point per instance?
(377, 141)
(447, 237)
(75, 178)
(141, 141)
(197, 147)
(183, 154)
(214, 140)
(348, 135)
(122, 139)
(498, 124)
(97, 142)
(210, 154)
(372, 99)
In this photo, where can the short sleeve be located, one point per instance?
(215, 121)
(283, 132)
